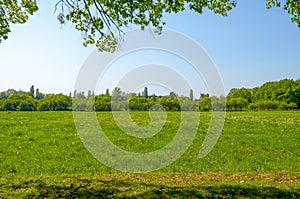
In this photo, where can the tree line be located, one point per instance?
(279, 95)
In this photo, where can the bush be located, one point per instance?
(272, 105)
(19, 102)
(237, 104)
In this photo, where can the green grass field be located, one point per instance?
(257, 156)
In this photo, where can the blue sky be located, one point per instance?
(249, 47)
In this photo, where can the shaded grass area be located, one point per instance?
(257, 156)
(213, 185)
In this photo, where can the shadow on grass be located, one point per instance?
(126, 189)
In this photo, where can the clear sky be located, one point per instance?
(250, 46)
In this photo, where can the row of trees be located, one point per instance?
(25, 102)
(280, 95)
(34, 100)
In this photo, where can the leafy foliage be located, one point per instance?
(292, 7)
(19, 102)
(102, 22)
(57, 102)
(237, 104)
(278, 95)
(16, 12)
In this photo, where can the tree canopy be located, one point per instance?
(102, 21)
(278, 95)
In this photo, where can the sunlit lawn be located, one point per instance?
(257, 155)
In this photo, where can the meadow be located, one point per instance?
(257, 156)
